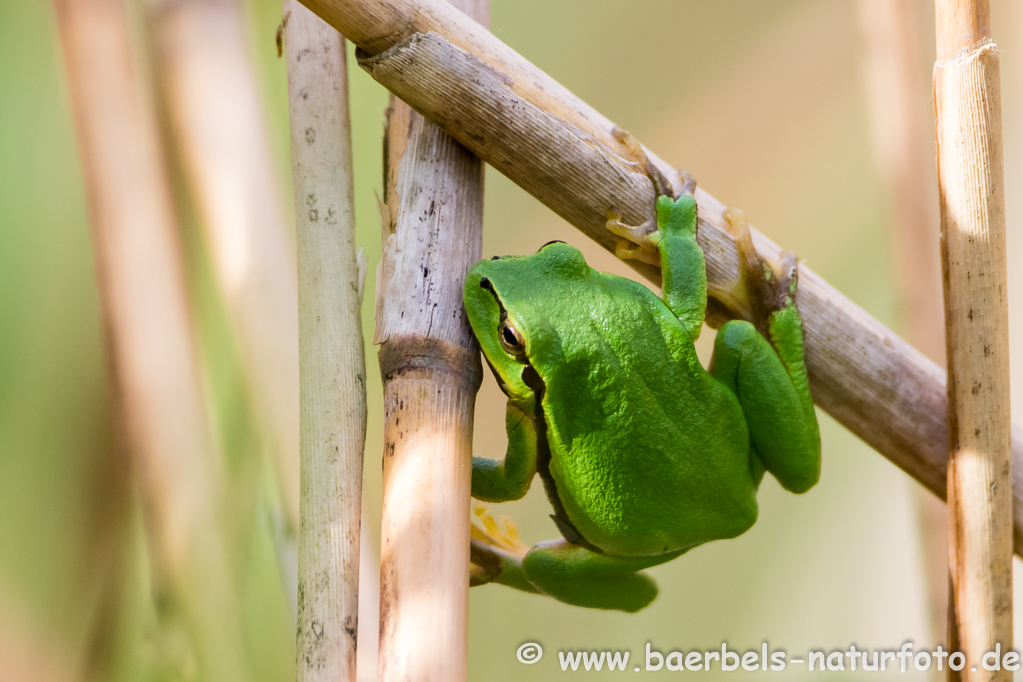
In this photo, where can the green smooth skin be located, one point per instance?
(644, 454)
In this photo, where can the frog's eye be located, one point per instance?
(511, 339)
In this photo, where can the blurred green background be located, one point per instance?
(763, 101)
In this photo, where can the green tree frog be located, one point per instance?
(642, 452)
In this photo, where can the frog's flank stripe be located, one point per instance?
(534, 381)
(543, 464)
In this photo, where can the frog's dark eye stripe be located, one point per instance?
(510, 338)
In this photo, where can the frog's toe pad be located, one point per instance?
(638, 234)
(628, 251)
(501, 533)
(737, 223)
(764, 285)
(637, 242)
(688, 181)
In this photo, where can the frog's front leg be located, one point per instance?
(502, 480)
(636, 241)
(495, 551)
(673, 246)
(579, 576)
(768, 375)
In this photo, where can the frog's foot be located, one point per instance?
(495, 550)
(688, 182)
(503, 533)
(638, 242)
(636, 155)
(763, 287)
(580, 576)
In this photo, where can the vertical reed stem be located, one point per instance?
(28, 654)
(967, 101)
(149, 336)
(431, 372)
(216, 115)
(331, 355)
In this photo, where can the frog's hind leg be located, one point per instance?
(579, 576)
(495, 551)
(568, 572)
(766, 370)
(784, 438)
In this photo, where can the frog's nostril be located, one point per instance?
(495, 258)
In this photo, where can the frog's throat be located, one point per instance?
(567, 529)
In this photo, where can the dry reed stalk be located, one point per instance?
(102, 581)
(216, 115)
(897, 90)
(28, 654)
(331, 356)
(967, 102)
(148, 329)
(369, 603)
(529, 127)
(431, 371)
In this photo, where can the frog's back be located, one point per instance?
(649, 453)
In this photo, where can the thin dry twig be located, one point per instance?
(331, 355)
(431, 371)
(529, 127)
(967, 102)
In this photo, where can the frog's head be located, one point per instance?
(516, 306)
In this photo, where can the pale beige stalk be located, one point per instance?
(967, 102)
(898, 88)
(431, 372)
(331, 355)
(148, 330)
(529, 127)
(216, 115)
(29, 653)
